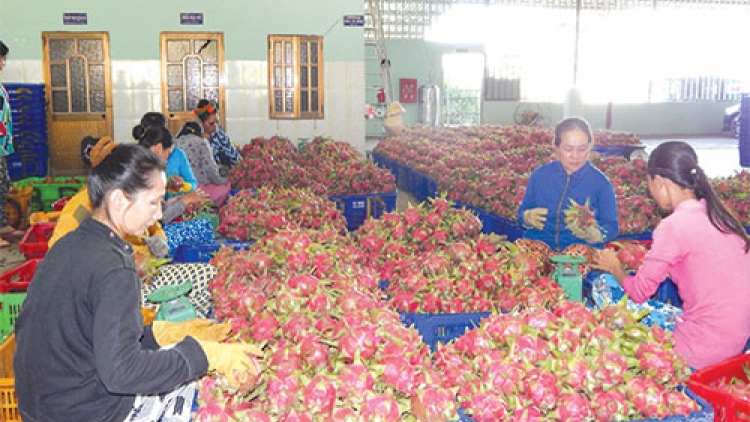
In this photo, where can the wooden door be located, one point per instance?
(78, 81)
(192, 68)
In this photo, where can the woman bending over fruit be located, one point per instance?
(703, 248)
(568, 200)
(83, 353)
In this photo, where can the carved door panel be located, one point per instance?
(79, 95)
(192, 66)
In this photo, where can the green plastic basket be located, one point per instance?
(10, 306)
(47, 190)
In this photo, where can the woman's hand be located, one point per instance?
(606, 260)
(535, 218)
(193, 197)
(591, 235)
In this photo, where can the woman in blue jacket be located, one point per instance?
(556, 186)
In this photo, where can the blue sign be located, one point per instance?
(75, 19)
(191, 18)
(354, 20)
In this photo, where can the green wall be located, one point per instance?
(134, 26)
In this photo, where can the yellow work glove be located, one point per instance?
(590, 235)
(535, 217)
(166, 332)
(233, 360)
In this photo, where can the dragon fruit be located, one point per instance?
(580, 219)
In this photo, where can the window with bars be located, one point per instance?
(502, 79)
(295, 76)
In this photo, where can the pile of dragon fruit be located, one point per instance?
(251, 214)
(325, 166)
(570, 364)
(488, 167)
(336, 349)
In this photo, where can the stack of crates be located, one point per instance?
(29, 114)
(13, 285)
(744, 129)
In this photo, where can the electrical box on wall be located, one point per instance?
(408, 90)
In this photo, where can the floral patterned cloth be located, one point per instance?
(224, 152)
(201, 159)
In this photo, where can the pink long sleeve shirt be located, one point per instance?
(712, 273)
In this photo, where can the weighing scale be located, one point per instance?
(568, 276)
(175, 306)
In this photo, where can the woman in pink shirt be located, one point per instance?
(704, 249)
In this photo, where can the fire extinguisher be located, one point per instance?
(381, 95)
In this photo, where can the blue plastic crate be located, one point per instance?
(511, 229)
(401, 173)
(16, 88)
(204, 252)
(744, 136)
(28, 163)
(35, 145)
(38, 114)
(423, 186)
(432, 186)
(705, 414)
(411, 180)
(30, 124)
(635, 236)
(358, 208)
(442, 328)
(667, 293)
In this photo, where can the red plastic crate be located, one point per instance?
(727, 408)
(34, 242)
(17, 279)
(60, 203)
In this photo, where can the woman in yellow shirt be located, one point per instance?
(152, 245)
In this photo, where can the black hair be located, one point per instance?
(191, 127)
(152, 118)
(571, 124)
(3, 49)
(155, 135)
(128, 167)
(87, 144)
(678, 162)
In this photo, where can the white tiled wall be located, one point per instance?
(136, 89)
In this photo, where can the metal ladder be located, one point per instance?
(381, 54)
(377, 74)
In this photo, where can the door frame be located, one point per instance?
(188, 115)
(89, 118)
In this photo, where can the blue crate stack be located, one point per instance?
(29, 114)
(744, 129)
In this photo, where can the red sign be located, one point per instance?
(408, 90)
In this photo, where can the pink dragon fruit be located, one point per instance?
(380, 408)
(319, 395)
(573, 407)
(487, 407)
